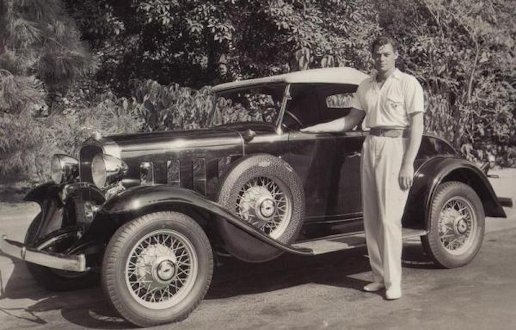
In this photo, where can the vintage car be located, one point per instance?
(148, 213)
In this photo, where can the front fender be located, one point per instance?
(43, 192)
(51, 213)
(442, 169)
(162, 197)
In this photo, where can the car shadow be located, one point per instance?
(414, 256)
(337, 269)
(86, 308)
(89, 308)
(235, 277)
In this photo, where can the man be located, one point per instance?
(392, 102)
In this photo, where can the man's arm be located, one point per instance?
(338, 125)
(407, 166)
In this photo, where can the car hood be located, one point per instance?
(161, 146)
(156, 142)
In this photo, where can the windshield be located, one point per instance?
(255, 104)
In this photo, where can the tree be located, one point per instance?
(202, 42)
(465, 60)
(40, 52)
(41, 56)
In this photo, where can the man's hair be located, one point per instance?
(382, 41)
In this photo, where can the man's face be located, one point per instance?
(384, 58)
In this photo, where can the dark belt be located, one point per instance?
(390, 132)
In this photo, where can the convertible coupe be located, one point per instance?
(148, 213)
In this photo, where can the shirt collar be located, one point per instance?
(396, 74)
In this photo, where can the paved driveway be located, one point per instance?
(298, 292)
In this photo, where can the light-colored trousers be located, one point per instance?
(383, 203)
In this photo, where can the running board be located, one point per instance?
(347, 241)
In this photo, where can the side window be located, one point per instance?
(338, 105)
(339, 101)
(252, 104)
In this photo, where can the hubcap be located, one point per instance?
(461, 227)
(263, 203)
(161, 269)
(457, 225)
(267, 207)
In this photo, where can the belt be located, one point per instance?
(390, 132)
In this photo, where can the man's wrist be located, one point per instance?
(405, 164)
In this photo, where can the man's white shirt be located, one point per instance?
(389, 106)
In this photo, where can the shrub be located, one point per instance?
(27, 142)
(171, 107)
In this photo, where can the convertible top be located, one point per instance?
(340, 75)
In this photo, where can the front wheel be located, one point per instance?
(456, 225)
(157, 268)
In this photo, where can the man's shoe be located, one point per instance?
(393, 293)
(373, 287)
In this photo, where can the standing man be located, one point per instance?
(392, 102)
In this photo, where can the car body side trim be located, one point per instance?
(162, 195)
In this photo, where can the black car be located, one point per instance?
(149, 212)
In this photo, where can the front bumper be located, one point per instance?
(75, 263)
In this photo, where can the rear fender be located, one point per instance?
(443, 169)
(145, 199)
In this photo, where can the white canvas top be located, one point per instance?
(339, 75)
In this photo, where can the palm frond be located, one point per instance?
(40, 10)
(22, 33)
(18, 63)
(58, 66)
(19, 93)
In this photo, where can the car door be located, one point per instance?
(329, 167)
(328, 163)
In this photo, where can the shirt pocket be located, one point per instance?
(395, 102)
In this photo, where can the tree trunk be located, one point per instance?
(472, 74)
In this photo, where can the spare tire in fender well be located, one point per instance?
(265, 191)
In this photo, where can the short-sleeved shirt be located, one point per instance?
(390, 105)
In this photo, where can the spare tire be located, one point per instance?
(264, 191)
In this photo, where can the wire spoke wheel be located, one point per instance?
(161, 269)
(263, 203)
(157, 268)
(457, 225)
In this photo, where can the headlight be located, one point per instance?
(106, 169)
(64, 168)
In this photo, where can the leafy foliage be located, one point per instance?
(38, 40)
(199, 42)
(149, 51)
(27, 143)
(465, 59)
(171, 107)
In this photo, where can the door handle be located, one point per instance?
(354, 154)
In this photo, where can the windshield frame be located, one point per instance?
(285, 98)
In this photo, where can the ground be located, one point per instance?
(295, 292)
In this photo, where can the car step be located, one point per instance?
(347, 241)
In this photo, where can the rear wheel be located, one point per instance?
(56, 279)
(157, 268)
(456, 225)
